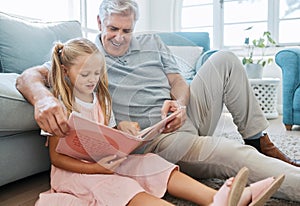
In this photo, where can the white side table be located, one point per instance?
(265, 90)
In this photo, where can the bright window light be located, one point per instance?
(54, 10)
(227, 20)
(84, 11)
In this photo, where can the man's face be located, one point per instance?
(117, 33)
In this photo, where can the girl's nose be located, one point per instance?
(94, 79)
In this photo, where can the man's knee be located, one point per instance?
(226, 55)
(174, 147)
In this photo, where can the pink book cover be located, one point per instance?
(92, 141)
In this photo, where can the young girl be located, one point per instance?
(80, 81)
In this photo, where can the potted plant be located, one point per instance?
(254, 67)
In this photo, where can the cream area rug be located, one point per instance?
(287, 141)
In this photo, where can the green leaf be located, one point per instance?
(270, 60)
(267, 33)
(271, 40)
(261, 42)
(249, 28)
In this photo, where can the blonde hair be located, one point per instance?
(66, 54)
(124, 7)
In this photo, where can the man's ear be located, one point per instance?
(99, 23)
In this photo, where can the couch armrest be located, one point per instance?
(16, 113)
(203, 58)
(289, 62)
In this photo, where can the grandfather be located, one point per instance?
(145, 85)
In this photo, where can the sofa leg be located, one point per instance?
(288, 127)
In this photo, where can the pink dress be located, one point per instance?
(138, 173)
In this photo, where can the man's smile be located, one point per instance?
(115, 44)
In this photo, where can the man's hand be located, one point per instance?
(51, 116)
(48, 111)
(178, 121)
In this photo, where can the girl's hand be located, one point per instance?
(129, 127)
(178, 121)
(108, 164)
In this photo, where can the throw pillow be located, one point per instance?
(25, 43)
(203, 59)
(186, 57)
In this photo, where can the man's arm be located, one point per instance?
(180, 94)
(32, 83)
(179, 89)
(48, 111)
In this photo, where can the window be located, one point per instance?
(55, 10)
(89, 12)
(240, 15)
(227, 20)
(289, 21)
(197, 10)
(85, 11)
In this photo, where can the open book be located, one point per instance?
(92, 141)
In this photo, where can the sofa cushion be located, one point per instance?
(186, 57)
(186, 39)
(203, 58)
(16, 113)
(25, 43)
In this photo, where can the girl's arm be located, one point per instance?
(104, 166)
(129, 127)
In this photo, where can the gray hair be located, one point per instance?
(109, 7)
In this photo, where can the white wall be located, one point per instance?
(156, 15)
(143, 23)
(161, 15)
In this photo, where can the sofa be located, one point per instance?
(289, 61)
(25, 43)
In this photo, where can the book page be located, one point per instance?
(91, 141)
(155, 130)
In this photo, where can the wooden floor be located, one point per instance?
(25, 192)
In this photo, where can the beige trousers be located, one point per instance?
(222, 80)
